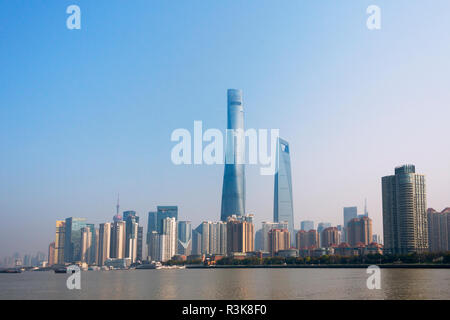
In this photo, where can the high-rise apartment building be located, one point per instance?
(240, 234)
(266, 227)
(169, 229)
(405, 226)
(439, 230)
(330, 237)
(307, 239)
(233, 190)
(283, 209)
(359, 230)
(279, 239)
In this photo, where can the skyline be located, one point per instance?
(87, 115)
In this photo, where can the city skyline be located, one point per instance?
(352, 103)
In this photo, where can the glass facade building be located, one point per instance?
(405, 225)
(283, 205)
(233, 190)
(72, 241)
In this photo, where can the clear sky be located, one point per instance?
(85, 114)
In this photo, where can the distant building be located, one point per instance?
(86, 244)
(266, 227)
(307, 225)
(240, 234)
(140, 243)
(307, 239)
(72, 239)
(118, 240)
(359, 230)
(184, 245)
(51, 254)
(279, 239)
(131, 234)
(330, 237)
(233, 189)
(439, 230)
(164, 212)
(349, 214)
(197, 241)
(283, 199)
(320, 227)
(169, 229)
(376, 238)
(405, 226)
(104, 243)
(59, 242)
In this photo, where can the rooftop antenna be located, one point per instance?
(117, 206)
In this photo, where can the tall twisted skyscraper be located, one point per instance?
(282, 205)
(233, 191)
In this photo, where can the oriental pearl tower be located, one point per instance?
(117, 217)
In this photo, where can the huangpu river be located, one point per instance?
(229, 284)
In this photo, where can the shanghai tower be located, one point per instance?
(233, 191)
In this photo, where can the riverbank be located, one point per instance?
(325, 266)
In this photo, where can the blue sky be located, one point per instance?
(85, 114)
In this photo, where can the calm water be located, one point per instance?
(230, 284)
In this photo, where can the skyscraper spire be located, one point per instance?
(117, 206)
(117, 217)
(365, 208)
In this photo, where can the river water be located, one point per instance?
(230, 284)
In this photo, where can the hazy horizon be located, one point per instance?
(86, 114)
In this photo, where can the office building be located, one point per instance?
(184, 244)
(72, 239)
(233, 190)
(59, 241)
(140, 241)
(307, 225)
(86, 244)
(104, 243)
(51, 254)
(164, 212)
(283, 205)
(349, 214)
(405, 226)
(131, 234)
(118, 240)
